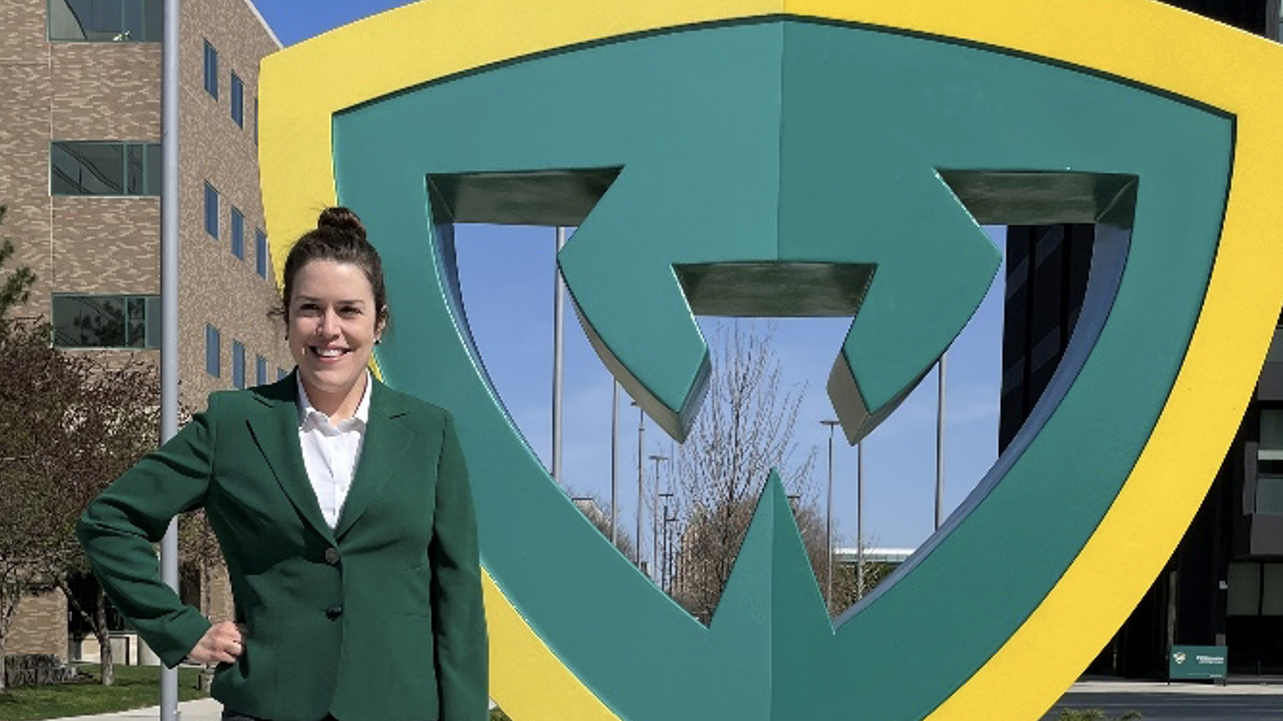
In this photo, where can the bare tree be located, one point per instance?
(597, 512)
(744, 430)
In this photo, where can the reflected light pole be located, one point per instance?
(614, 466)
(859, 520)
(828, 522)
(641, 462)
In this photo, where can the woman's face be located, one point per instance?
(332, 327)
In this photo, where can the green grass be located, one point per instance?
(135, 687)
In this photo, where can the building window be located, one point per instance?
(212, 351)
(256, 121)
(107, 20)
(106, 321)
(1269, 463)
(211, 70)
(238, 233)
(104, 168)
(238, 364)
(238, 100)
(260, 370)
(280, 374)
(260, 253)
(211, 211)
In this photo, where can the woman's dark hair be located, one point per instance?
(339, 237)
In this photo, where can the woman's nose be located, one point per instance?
(329, 325)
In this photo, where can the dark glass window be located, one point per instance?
(211, 211)
(107, 20)
(280, 373)
(260, 370)
(260, 253)
(238, 233)
(212, 351)
(238, 364)
(238, 100)
(106, 321)
(211, 70)
(104, 168)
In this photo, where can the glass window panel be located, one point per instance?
(153, 169)
(238, 100)
(280, 373)
(1245, 589)
(136, 169)
(1272, 593)
(65, 19)
(153, 322)
(1271, 448)
(260, 370)
(212, 351)
(260, 253)
(211, 211)
(153, 20)
(238, 233)
(88, 321)
(136, 322)
(80, 168)
(1269, 494)
(238, 364)
(211, 70)
(132, 10)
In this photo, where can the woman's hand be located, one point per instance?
(222, 643)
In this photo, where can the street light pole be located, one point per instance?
(641, 462)
(828, 523)
(654, 517)
(614, 467)
(663, 548)
(558, 335)
(944, 358)
(859, 520)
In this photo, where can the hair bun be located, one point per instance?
(343, 219)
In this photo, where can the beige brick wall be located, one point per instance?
(40, 625)
(111, 91)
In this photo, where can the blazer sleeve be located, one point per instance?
(118, 529)
(461, 647)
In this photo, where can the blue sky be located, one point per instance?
(506, 274)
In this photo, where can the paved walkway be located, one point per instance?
(1084, 694)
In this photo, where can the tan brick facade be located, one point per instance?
(111, 91)
(40, 625)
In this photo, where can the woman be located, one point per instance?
(357, 585)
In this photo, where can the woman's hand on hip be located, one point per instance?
(222, 643)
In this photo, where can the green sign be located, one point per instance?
(1190, 662)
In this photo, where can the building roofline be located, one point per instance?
(270, 32)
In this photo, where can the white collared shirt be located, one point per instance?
(330, 452)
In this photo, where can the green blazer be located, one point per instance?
(380, 619)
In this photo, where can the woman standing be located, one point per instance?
(344, 513)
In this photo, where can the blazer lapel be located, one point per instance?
(386, 441)
(275, 431)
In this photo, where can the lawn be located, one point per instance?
(135, 687)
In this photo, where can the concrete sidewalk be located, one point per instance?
(1079, 694)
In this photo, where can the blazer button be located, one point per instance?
(332, 556)
(333, 612)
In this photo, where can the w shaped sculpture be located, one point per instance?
(789, 158)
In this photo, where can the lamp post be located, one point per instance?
(614, 466)
(944, 357)
(558, 334)
(828, 523)
(663, 566)
(641, 464)
(859, 520)
(654, 525)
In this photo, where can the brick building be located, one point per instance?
(80, 132)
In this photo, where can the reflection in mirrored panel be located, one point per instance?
(106, 321)
(106, 20)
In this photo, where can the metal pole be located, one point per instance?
(859, 520)
(828, 524)
(940, 440)
(641, 460)
(169, 305)
(654, 519)
(558, 323)
(614, 468)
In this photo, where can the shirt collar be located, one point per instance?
(307, 411)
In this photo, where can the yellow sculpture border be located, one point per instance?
(1152, 44)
